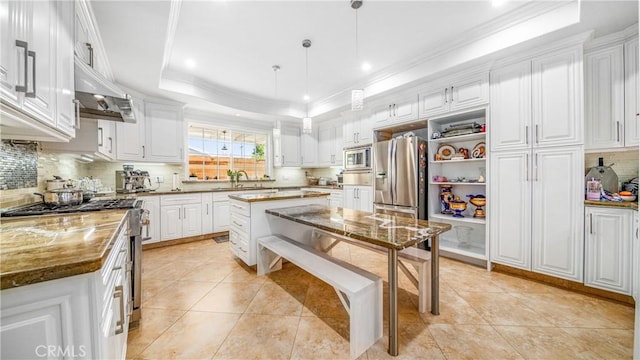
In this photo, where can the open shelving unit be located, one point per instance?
(467, 240)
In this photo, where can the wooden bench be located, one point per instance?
(420, 259)
(359, 291)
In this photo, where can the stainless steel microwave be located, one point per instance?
(357, 158)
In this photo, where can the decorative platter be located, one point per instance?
(478, 151)
(446, 151)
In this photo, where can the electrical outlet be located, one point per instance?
(159, 179)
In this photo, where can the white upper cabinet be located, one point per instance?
(454, 95)
(36, 71)
(358, 129)
(608, 245)
(131, 137)
(88, 45)
(309, 148)
(396, 111)
(604, 96)
(510, 121)
(557, 98)
(631, 93)
(330, 143)
(164, 133)
(290, 154)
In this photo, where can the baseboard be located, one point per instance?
(185, 240)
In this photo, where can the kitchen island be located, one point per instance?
(249, 221)
(391, 232)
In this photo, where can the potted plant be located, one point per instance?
(193, 176)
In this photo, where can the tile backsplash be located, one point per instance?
(625, 163)
(18, 165)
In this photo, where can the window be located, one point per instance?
(213, 151)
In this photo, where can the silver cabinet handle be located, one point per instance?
(536, 134)
(236, 223)
(100, 134)
(590, 223)
(119, 293)
(88, 45)
(77, 102)
(207, 209)
(33, 78)
(451, 93)
(354, 138)
(536, 169)
(25, 46)
(358, 137)
(618, 131)
(110, 144)
(144, 152)
(446, 95)
(179, 215)
(526, 134)
(389, 110)
(185, 213)
(526, 166)
(395, 110)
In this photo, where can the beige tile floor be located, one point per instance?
(201, 303)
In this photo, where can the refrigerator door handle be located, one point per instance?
(394, 170)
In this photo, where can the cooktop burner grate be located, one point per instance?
(96, 205)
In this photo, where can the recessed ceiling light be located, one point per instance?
(497, 3)
(237, 114)
(190, 63)
(365, 66)
(306, 97)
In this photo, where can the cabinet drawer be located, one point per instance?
(182, 199)
(240, 208)
(221, 196)
(240, 223)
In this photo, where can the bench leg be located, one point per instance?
(268, 261)
(365, 319)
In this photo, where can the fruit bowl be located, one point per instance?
(628, 197)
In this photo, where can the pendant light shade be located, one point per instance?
(307, 125)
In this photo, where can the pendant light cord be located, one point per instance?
(357, 55)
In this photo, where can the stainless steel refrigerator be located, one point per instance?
(400, 170)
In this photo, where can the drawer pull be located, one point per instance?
(119, 293)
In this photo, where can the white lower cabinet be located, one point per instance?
(221, 212)
(608, 241)
(333, 200)
(180, 216)
(207, 213)
(357, 197)
(80, 317)
(536, 210)
(152, 231)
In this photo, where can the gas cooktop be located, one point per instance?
(95, 205)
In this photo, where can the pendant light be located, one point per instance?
(307, 125)
(276, 68)
(357, 95)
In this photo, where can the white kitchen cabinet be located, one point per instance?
(290, 153)
(164, 132)
(454, 95)
(536, 210)
(636, 284)
(130, 144)
(335, 196)
(221, 212)
(330, 143)
(631, 93)
(95, 138)
(180, 216)
(309, 148)
(207, 213)
(85, 316)
(35, 70)
(395, 112)
(357, 197)
(608, 245)
(357, 129)
(604, 98)
(538, 103)
(88, 45)
(151, 203)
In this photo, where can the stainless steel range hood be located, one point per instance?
(99, 98)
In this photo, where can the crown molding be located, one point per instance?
(172, 25)
(612, 39)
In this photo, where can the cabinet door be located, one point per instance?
(349, 131)
(290, 137)
(635, 261)
(191, 220)
(152, 231)
(164, 133)
(406, 111)
(12, 68)
(349, 197)
(510, 210)
(65, 89)
(604, 95)
(364, 133)
(41, 27)
(337, 143)
(171, 222)
(326, 148)
(631, 93)
(106, 138)
(608, 249)
(557, 98)
(434, 101)
(221, 217)
(364, 198)
(82, 34)
(207, 213)
(381, 116)
(469, 91)
(130, 143)
(510, 124)
(309, 148)
(558, 198)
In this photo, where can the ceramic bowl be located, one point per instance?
(628, 197)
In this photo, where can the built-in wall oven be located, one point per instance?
(357, 158)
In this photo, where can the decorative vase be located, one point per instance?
(478, 201)
(458, 206)
(445, 199)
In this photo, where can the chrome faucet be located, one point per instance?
(243, 172)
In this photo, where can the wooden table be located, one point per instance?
(389, 231)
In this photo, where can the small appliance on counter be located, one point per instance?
(605, 175)
(132, 181)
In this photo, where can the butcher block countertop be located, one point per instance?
(41, 248)
(280, 195)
